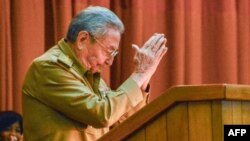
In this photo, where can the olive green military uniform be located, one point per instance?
(62, 101)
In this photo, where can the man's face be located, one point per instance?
(103, 50)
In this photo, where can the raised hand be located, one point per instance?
(148, 57)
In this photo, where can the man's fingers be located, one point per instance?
(135, 47)
(147, 43)
(156, 39)
(163, 49)
(158, 44)
(151, 41)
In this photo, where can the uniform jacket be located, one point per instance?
(62, 101)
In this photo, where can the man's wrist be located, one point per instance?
(139, 78)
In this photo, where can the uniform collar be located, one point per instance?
(66, 48)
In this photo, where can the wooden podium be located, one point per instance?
(187, 113)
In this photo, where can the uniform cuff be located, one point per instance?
(133, 91)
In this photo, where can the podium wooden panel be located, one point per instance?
(187, 113)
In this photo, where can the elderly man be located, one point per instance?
(64, 98)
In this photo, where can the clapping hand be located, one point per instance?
(147, 58)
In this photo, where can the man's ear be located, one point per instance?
(82, 39)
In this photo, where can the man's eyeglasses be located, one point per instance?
(112, 53)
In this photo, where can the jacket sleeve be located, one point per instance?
(58, 88)
(133, 110)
